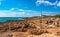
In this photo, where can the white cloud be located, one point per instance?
(21, 10)
(20, 13)
(23, 13)
(38, 2)
(12, 9)
(8, 13)
(58, 4)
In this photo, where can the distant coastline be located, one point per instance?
(4, 19)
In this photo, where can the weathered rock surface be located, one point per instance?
(37, 27)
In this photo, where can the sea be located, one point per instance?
(4, 19)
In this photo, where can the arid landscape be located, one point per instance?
(31, 27)
(29, 18)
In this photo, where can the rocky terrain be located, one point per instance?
(31, 27)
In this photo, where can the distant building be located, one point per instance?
(41, 14)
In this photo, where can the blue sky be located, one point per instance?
(28, 8)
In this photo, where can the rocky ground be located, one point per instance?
(31, 27)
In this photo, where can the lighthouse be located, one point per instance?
(41, 14)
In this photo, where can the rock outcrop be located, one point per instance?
(37, 27)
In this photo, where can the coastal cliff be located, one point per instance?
(31, 27)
